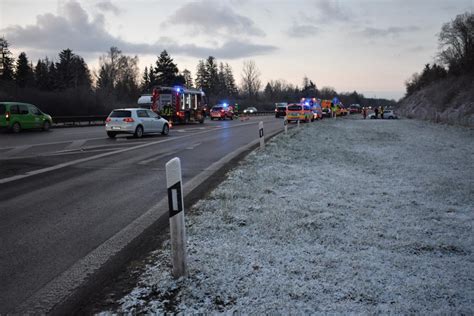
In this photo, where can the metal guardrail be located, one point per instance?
(91, 120)
(87, 120)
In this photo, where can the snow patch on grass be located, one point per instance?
(340, 216)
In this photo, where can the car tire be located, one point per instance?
(166, 130)
(46, 126)
(16, 128)
(232, 118)
(212, 119)
(111, 134)
(138, 132)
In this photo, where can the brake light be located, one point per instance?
(128, 120)
(7, 116)
(222, 111)
(108, 120)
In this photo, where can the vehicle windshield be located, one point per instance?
(2, 109)
(121, 114)
(294, 107)
(216, 108)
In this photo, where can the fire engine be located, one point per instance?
(176, 104)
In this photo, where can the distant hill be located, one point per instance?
(449, 100)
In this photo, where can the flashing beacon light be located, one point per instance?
(306, 103)
(224, 104)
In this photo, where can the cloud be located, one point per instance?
(77, 31)
(213, 17)
(393, 31)
(331, 11)
(108, 6)
(303, 30)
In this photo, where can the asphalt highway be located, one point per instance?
(65, 192)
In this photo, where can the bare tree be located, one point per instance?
(251, 79)
(456, 42)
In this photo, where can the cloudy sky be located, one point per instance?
(371, 46)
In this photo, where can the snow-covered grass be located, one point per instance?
(340, 216)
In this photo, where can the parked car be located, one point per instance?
(280, 111)
(221, 112)
(355, 108)
(16, 116)
(387, 114)
(135, 121)
(250, 110)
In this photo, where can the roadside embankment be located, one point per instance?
(446, 101)
(340, 216)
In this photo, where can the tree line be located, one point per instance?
(68, 87)
(455, 55)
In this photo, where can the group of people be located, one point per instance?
(377, 110)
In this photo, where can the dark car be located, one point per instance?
(280, 111)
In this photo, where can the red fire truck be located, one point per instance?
(176, 104)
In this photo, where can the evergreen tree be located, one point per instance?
(188, 80)
(71, 71)
(145, 84)
(222, 89)
(6, 61)
(268, 92)
(230, 81)
(201, 75)
(151, 76)
(211, 79)
(52, 74)
(166, 70)
(23, 72)
(42, 74)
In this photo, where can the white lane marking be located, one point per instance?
(77, 161)
(15, 151)
(53, 143)
(76, 144)
(145, 162)
(193, 146)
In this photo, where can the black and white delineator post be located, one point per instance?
(285, 123)
(298, 123)
(260, 134)
(176, 214)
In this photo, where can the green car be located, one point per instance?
(16, 116)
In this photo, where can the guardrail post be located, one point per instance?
(176, 217)
(261, 135)
(285, 124)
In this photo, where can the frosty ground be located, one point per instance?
(339, 216)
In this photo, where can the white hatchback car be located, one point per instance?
(135, 121)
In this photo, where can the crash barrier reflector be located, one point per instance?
(176, 217)
(261, 135)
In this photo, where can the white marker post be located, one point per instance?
(285, 123)
(176, 214)
(298, 124)
(260, 133)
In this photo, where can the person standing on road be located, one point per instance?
(376, 111)
(381, 112)
(364, 112)
(333, 110)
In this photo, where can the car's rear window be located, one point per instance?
(216, 108)
(294, 107)
(121, 114)
(2, 109)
